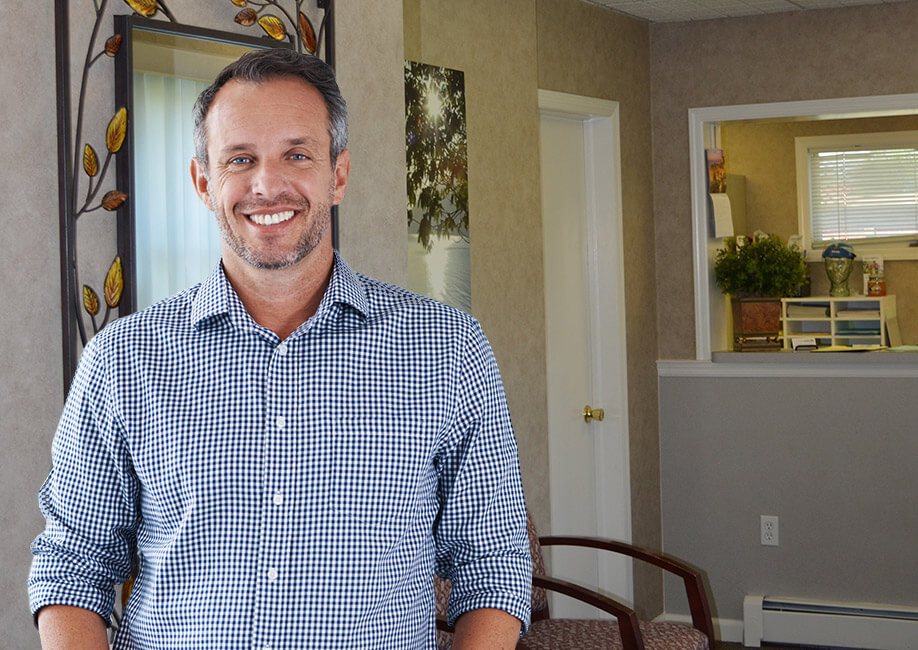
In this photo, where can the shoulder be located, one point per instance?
(387, 302)
(171, 315)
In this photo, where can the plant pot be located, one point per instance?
(756, 323)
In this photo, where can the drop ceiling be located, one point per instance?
(665, 11)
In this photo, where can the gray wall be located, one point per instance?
(30, 350)
(833, 458)
(31, 386)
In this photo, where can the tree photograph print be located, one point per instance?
(438, 187)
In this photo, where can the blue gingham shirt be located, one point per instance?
(285, 494)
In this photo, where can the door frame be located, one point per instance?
(602, 147)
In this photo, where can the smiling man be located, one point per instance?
(289, 449)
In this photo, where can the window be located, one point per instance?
(860, 188)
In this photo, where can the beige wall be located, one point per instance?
(764, 153)
(370, 57)
(508, 51)
(611, 61)
(777, 57)
(494, 44)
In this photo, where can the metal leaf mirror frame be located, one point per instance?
(82, 170)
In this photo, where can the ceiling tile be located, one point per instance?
(689, 10)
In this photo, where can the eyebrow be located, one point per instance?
(244, 146)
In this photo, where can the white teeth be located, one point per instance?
(271, 219)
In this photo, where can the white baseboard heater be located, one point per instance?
(777, 619)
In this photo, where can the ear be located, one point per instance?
(200, 182)
(342, 171)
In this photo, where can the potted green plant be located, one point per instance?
(756, 274)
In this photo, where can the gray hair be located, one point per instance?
(264, 64)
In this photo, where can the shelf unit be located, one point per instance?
(850, 321)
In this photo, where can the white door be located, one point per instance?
(585, 326)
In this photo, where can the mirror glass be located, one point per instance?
(171, 240)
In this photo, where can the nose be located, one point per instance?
(269, 179)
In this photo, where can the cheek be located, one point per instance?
(228, 192)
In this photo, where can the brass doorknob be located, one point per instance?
(590, 414)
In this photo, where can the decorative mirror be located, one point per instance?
(168, 240)
(165, 240)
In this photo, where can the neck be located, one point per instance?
(281, 300)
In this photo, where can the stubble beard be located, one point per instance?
(309, 239)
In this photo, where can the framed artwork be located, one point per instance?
(438, 187)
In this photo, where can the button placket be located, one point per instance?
(272, 554)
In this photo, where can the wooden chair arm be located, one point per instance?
(628, 626)
(691, 577)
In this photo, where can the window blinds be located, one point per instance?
(863, 193)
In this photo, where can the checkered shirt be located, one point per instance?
(285, 494)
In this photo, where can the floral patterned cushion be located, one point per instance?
(562, 633)
(574, 634)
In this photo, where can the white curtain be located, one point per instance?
(177, 240)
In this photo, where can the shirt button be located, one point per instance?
(272, 574)
(282, 348)
(280, 422)
(278, 498)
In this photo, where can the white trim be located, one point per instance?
(700, 118)
(827, 623)
(605, 224)
(576, 106)
(754, 370)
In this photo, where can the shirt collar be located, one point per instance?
(216, 296)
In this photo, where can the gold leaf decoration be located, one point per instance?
(146, 8)
(90, 300)
(273, 27)
(239, 3)
(114, 283)
(113, 44)
(113, 200)
(117, 129)
(246, 17)
(90, 161)
(308, 34)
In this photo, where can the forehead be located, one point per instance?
(280, 105)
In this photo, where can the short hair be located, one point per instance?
(269, 63)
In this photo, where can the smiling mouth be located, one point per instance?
(270, 219)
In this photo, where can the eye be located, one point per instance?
(240, 160)
(300, 156)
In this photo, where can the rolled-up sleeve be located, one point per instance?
(88, 500)
(481, 534)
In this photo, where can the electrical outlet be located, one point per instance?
(769, 530)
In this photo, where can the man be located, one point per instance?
(292, 449)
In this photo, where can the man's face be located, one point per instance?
(270, 180)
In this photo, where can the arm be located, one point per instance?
(481, 534)
(89, 502)
(486, 628)
(62, 627)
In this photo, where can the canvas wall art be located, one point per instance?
(438, 188)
